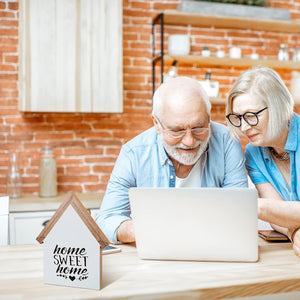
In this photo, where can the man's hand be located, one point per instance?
(125, 233)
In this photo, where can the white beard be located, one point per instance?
(186, 159)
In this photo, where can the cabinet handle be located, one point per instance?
(45, 223)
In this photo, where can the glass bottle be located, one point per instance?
(283, 53)
(48, 181)
(14, 180)
(296, 56)
(172, 72)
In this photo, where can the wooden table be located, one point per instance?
(125, 276)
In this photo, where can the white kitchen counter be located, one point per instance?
(31, 203)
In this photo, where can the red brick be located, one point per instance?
(30, 180)
(105, 178)
(54, 136)
(13, 5)
(8, 23)
(93, 134)
(63, 188)
(74, 178)
(83, 152)
(94, 188)
(100, 159)
(137, 13)
(78, 170)
(102, 169)
(31, 128)
(63, 117)
(163, 6)
(20, 137)
(102, 142)
(112, 151)
(5, 14)
(7, 85)
(140, 5)
(71, 127)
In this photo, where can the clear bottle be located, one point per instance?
(211, 87)
(296, 56)
(283, 53)
(48, 181)
(14, 179)
(172, 72)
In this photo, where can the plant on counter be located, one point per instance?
(244, 2)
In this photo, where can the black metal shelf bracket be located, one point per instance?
(155, 21)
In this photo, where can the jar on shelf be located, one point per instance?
(179, 44)
(48, 181)
(205, 52)
(235, 52)
(296, 56)
(14, 179)
(283, 53)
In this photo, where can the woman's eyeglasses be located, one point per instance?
(250, 118)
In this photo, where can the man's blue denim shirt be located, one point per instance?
(143, 162)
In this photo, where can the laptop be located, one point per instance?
(202, 224)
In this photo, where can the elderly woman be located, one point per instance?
(260, 108)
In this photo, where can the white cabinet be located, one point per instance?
(71, 56)
(24, 227)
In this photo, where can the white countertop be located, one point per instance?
(35, 203)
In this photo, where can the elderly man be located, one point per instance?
(183, 149)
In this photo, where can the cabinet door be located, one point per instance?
(71, 56)
(25, 227)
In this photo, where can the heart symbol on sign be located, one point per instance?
(72, 278)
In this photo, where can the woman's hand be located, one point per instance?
(296, 242)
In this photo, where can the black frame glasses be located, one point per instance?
(250, 118)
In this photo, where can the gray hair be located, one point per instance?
(174, 85)
(267, 86)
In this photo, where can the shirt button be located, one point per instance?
(171, 177)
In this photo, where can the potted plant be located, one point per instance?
(244, 2)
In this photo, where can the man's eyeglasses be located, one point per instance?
(177, 134)
(250, 118)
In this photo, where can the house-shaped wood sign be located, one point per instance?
(73, 245)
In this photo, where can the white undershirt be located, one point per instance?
(193, 179)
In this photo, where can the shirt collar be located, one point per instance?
(292, 139)
(162, 152)
(291, 142)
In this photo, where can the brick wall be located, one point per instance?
(86, 145)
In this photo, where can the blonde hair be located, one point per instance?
(267, 86)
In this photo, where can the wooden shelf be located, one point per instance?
(218, 100)
(173, 17)
(230, 62)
